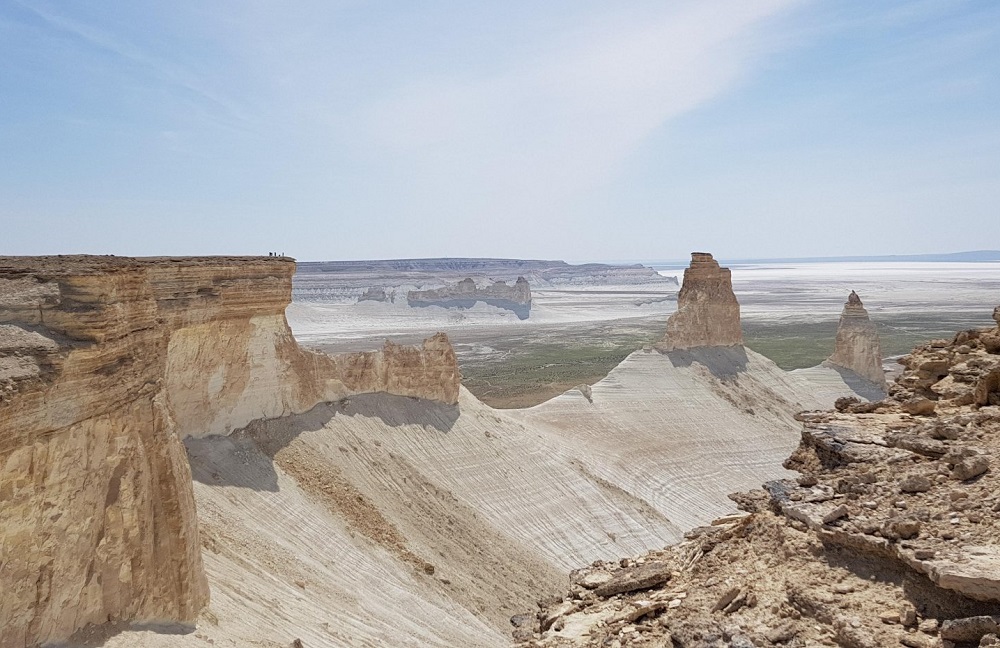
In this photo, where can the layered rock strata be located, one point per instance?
(466, 293)
(857, 346)
(889, 537)
(105, 364)
(708, 313)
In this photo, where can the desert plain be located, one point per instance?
(580, 328)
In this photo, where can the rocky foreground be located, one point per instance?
(888, 538)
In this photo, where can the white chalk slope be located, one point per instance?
(323, 526)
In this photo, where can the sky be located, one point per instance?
(565, 129)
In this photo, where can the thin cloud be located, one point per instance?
(164, 70)
(549, 126)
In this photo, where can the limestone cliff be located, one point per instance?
(707, 311)
(466, 293)
(857, 347)
(105, 364)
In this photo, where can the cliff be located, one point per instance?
(857, 346)
(889, 536)
(466, 293)
(707, 311)
(106, 363)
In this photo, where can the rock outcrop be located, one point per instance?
(708, 313)
(466, 293)
(857, 347)
(105, 365)
(377, 294)
(889, 536)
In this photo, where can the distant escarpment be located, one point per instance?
(105, 365)
(857, 347)
(890, 535)
(466, 293)
(707, 311)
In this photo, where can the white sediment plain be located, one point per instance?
(811, 291)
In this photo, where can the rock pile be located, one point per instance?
(707, 311)
(889, 537)
(857, 346)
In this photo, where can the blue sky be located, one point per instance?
(566, 129)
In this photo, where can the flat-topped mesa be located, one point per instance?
(106, 363)
(708, 313)
(857, 347)
(466, 293)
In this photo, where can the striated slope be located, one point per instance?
(105, 364)
(461, 516)
(682, 430)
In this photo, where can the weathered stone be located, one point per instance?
(639, 577)
(901, 528)
(594, 579)
(970, 467)
(836, 514)
(726, 599)
(915, 484)
(919, 407)
(969, 629)
(708, 313)
(976, 574)
(857, 346)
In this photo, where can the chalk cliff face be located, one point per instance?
(466, 293)
(857, 346)
(105, 364)
(707, 311)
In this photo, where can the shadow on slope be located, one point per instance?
(864, 388)
(723, 362)
(254, 447)
(94, 636)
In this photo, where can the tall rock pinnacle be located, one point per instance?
(707, 311)
(858, 346)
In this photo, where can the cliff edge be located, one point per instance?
(106, 363)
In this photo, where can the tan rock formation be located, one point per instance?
(105, 364)
(708, 313)
(857, 347)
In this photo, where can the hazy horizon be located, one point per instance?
(569, 130)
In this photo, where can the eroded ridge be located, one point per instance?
(890, 536)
